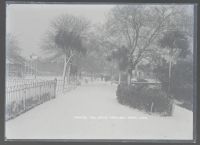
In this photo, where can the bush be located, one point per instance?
(181, 80)
(151, 100)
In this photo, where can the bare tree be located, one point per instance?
(139, 27)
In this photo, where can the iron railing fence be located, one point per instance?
(60, 88)
(16, 82)
(21, 98)
(66, 86)
(22, 95)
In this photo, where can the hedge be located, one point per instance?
(142, 97)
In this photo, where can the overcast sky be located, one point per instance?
(29, 22)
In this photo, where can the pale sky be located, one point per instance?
(29, 22)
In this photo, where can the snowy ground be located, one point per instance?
(92, 112)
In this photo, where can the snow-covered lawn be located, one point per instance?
(92, 112)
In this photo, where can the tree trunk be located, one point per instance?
(119, 79)
(68, 73)
(170, 71)
(64, 72)
(65, 67)
(129, 76)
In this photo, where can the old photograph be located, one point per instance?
(99, 71)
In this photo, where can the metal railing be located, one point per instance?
(23, 97)
(66, 86)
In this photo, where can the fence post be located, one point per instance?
(40, 94)
(24, 99)
(55, 85)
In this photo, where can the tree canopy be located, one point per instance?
(139, 27)
(67, 33)
(175, 40)
(13, 49)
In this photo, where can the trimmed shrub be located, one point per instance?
(151, 100)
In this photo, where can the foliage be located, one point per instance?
(69, 32)
(12, 49)
(161, 72)
(142, 97)
(91, 64)
(66, 36)
(181, 80)
(95, 59)
(120, 56)
(175, 40)
(181, 71)
(139, 27)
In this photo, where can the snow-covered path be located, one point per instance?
(92, 112)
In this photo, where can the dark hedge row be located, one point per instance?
(143, 97)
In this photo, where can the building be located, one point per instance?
(14, 67)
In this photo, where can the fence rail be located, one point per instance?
(66, 86)
(16, 82)
(22, 95)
